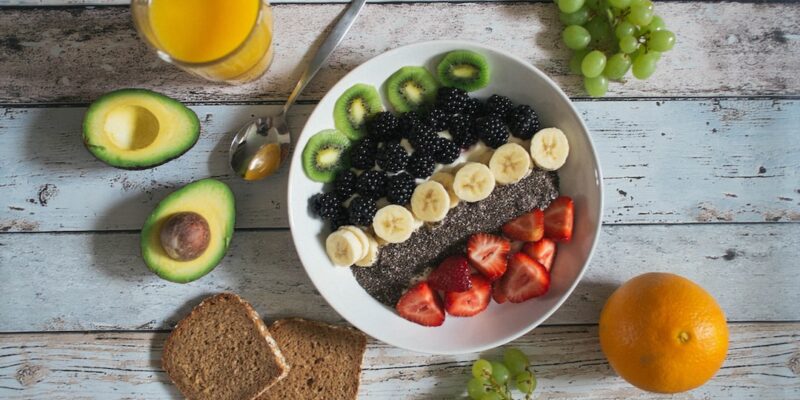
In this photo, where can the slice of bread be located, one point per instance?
(222, 351)
(325, 359)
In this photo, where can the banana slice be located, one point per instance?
(393, 223)
(473, 182)
(362, 237)
(372, 254)
(510, 163)
(446, 179)
(430, 202)
(343, 248)
(549, 149)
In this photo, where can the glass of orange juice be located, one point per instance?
(220, 40)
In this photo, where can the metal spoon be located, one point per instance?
(262, 145)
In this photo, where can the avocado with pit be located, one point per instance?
(189, 232)
(138, 128)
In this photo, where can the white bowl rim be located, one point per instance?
(456, 44)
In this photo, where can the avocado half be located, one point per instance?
(214, 201)
(138, 128)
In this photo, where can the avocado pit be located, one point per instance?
(185, 236)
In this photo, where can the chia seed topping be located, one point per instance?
(403, 263)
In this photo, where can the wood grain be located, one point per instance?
(733, 160)
(56, 282)
(67, 55)
(762, 363)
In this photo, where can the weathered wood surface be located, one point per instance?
(664, 162)
(75, 54)
(56, 282)
(763, 363)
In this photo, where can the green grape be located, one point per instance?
(597, 86)
(491, 396)
(575, 61)
(593, 4)
(644, 65)
(593, 64)
(616, 66)
(476, 387)
(515, 360)
(499, 372)
(628, 44)
(525, 382)
(570, 6)
(661, 40)
(623, 29)
(599, 30)
(576, 37)
(636, 2)
(619, 4)
(641, 14)
(577, 18)
(656, 24)
(482, 368)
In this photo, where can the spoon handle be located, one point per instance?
(334, 38)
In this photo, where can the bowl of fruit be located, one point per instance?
(445, 197)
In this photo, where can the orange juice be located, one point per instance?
(223, 40)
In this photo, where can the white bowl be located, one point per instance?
(580, 179)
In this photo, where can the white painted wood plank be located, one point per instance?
(762, 363)
(75, 54)
(55, 282)
(664, 162)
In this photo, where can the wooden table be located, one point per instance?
(701, 164)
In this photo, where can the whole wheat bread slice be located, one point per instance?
(222, 350)
(325, 359)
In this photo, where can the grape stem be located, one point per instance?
(498, 388)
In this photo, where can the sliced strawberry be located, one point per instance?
(498, 295)
(422, 305)
(488, 254)
(471, 302)
(528, 227)
(452, 275)
(542, 251)
(525, 279)
(558, 219)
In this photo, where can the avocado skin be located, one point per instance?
(193, 130)
(199, 196)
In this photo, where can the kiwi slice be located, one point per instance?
(325, 155)
(354, 107)
(410, 88)
(464, 69)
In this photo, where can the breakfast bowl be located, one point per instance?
(579, 178)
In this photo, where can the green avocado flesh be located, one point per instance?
(138, 128)
(210, 198)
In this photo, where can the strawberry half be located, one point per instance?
(558, 219)
(422, 305)
(452, 275)
(488, 254)
(525, 279)
(528, 227)
(471, 302)
(498, 295)
(542, 251)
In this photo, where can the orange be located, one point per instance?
(663, 333)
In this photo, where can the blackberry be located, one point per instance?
(451, 100)
(392, 157)
(345, 184)
(362, 155)
(383, 126)
(436, 119)
(372, 184)
(339, 218)
(446, 152)
(362, 210)
(325, 205)
(474, 109)
(499, 106)
(400, 188)
(461, 130)
(408, 122)
(523, 122)
(421, 165)
(492, 131)
(423, 139)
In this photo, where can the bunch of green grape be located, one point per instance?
(609, 37)
(492, 380)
